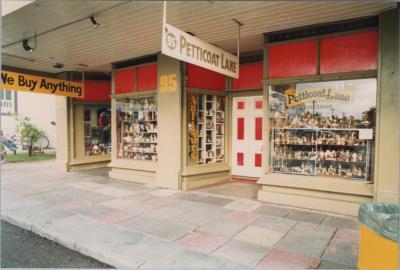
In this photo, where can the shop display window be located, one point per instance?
(97, 129)
(206, 128)
(137, 129)
(323, 128)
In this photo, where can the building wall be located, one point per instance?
(40, 108)
(388, 157)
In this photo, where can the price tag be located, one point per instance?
(365, 134)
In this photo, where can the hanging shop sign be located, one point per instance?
(37, 84)
(185, 47)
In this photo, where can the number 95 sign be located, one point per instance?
(168, 83)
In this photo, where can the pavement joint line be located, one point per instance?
(329, 242)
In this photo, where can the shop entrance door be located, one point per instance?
(247, 133)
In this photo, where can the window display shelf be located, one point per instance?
(205, 126)
(137, 126)
(345, 156)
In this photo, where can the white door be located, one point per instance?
(247, 134)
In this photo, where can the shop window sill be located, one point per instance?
(318, 183)
(205, 168)
(90, 159)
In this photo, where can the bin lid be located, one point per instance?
(381, 218)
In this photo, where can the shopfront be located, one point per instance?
(90, 126)
(302, 120)
(326, 136)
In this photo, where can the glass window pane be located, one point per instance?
(97, 129)
(324, 128)
(137, 129)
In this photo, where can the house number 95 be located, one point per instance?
(168, 83)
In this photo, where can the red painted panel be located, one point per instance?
(147, 77)
(240, 159)
(96, 91)
(240, 128)
(259, 104)
(250, 77)
(202, 78)
(293, 59)
(258, 127)
(125, 81)
(257, 160)
(347, 53)
(240, 105)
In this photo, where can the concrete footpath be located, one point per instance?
(130, 225)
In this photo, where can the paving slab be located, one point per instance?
(228, 264)
(201, 216)
(147, 250)
(259, 236)
(185, 260)
(190, 196)
(243, 205)
(281, 259)
(272, 210)
(241, 217)
(332, 265)
(343, 248)
(164, 192)
(242, 252)
(171, 231)
(202, 241)
(165, 213)
(275, 223)
(94, 210)
(224, 228)
(113, 191)
(340, 222)
(216, 201)
(305, 216)
(141, 223)
(114, 217)
(307, 239)
(73, 205)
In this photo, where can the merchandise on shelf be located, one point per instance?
(206, 115)
(324, 152)
(137, 126)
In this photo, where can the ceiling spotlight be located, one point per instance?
(26, 46)
(58, 65)
(94, 22)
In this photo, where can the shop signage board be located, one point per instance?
(37, 84)
(185, 47)
(294, 97)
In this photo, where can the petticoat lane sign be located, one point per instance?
(36, 84)
(180, 45)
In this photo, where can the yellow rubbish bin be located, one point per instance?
(376, 252)
(379, 237)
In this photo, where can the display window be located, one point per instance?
(137, 128)
(323, 128)
(97, 129)
(206, 128)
